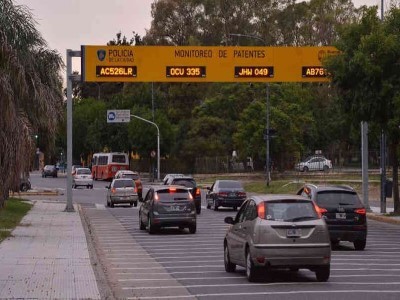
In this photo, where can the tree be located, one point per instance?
(30, 93)
(367, 74)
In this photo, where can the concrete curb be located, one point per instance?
(384, 219)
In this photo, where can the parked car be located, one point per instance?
(122, 191)
(342, 210)
(133, 175)
(314, 163)
(277, 231)
(24, 183)
(82, 177)
(49, 170)
(167, 206)
(191, 184)
(228, 193)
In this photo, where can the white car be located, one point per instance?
(82, 177)
(314, 163)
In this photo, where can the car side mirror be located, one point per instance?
(229, 220)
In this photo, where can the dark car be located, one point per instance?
(167, 206)
(227, 193)
(190, 183)
(343, 212)
(49, 170)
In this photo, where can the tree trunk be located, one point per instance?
(395, 162)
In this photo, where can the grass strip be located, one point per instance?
(11, 215)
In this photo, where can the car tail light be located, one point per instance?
(198, 192)
(222, 194)
(241, 194)
(261, 210)
(172, 190)
(320, 210)
(156, 197)
(360, 211)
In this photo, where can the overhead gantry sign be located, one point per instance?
(204, 64)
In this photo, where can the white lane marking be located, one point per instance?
(162, 268)
(365, 264)
(163, 250)
(258, 284)
(174, 253)
(235, 277)
(169, 257)
(100, 206)
(173, 262)
(195, 296)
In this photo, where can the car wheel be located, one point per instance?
(198, 210)
(215, 205)
(229, 267)
(135, 203)
(91, 187)
(251, 269)
(192, 228)
(208, 205)
(131, 204)
(111, 203)
(322, 273)
(150, 226)
(326, 168)
(359, 245)
(305, 169)
(141, 225)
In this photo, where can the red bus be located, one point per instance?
(105, 165)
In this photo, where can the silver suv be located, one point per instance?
(277, 231)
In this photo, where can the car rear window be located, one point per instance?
(123, 183)
(230, 184)
(169, 195)
(335, 198)
(118, 158)
(132, 176)
(290, 210)
(185, 182)
(83, 172)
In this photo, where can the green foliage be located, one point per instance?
(11, 215)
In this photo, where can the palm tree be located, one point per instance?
(30, 93)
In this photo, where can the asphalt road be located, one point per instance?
(174, 264)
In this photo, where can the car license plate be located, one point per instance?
(293, 232)
(341, 216)
(232, 194)
(174, 208)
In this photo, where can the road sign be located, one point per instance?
(118, 116)
(204, 64)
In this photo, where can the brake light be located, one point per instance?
(197, 191)
(261, 210)
(241, 194)
(172, 190)
(222, 194)
(360, 211)
(320, 210)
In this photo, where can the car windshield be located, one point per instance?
(123, 183)
(83, 172)
(290, 211)
(230, 185)
(335, 198)
(169, 195)
(130, 175)
(185, 182)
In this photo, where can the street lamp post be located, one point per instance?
(267, 133)
(158, 143)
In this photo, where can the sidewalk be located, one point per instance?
(47, 257)
(376, 215)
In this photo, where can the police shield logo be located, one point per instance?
(101, 54)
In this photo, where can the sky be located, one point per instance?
(68, 24)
